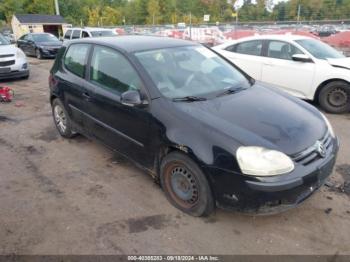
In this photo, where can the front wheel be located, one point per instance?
(185, 185)
(38, 54)
(61, 119)
(335, 97)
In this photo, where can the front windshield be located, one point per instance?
(190, 71)
(45, 38)
(319, 49)
(3, 40)
(102, 33)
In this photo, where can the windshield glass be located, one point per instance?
(3, 40)
(102, 33)
(319, 50)
(45, 38)
(190, 71)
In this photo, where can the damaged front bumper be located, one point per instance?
(268, 195)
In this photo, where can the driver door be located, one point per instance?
(22, 43)
(281, 70)
(123, 127)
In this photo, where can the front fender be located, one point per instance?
(203, 144)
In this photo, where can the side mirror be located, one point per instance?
(132, 98)
(301, 58)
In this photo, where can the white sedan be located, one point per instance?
(302, 66)
(13, 62)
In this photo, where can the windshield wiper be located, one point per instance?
(189, 99)
(230, 90)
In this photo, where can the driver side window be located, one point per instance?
(112, 71)
(282, 50)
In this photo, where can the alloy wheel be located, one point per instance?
(60, 118)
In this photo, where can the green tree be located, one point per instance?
(153, 11)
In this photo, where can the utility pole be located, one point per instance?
(299, 13)
(191, 20)
(57, 8)
(190, 25)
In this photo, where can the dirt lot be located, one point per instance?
(76, 197)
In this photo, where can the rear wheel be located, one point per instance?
(335, 97)
(185, 185)
(61, 119)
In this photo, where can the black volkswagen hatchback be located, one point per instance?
(204, 129)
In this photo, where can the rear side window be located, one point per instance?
(75, 58)
(76, 34)
(68, 34)
(112, 71)
(249, 48)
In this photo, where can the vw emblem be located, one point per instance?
(320, 148)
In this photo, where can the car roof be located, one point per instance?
(42, 33)
(290, 37)
(285, 37)
(90, 29)
(135, 43)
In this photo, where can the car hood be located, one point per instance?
(8, 49)
(340, 62)
(58, 44)
(260, 116)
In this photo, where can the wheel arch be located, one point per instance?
(326, 82)
(165, 150)
(52, 97)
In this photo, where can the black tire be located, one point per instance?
(25, 77)
(38, 54)
(335, 97)
(66, 132)
(177, 166)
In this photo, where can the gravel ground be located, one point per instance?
(75, 196)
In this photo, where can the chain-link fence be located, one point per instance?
(333, 32)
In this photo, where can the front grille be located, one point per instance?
(311, 154)
(53, 51)
(7, 63)
(9, 55)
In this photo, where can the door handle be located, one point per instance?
(86, 96)
(268, 64)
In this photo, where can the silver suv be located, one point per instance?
(76, 33)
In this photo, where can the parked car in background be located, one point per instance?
(302, 66)
(40, 45)
(9, 36)
(13, 62)
(208, 132)
(326, 30)
(76, 33)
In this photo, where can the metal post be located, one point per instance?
(298, 13)
(57, 7)
(190, 25)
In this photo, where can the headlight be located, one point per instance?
(330, 128)
(20, 53)
(259, 161)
